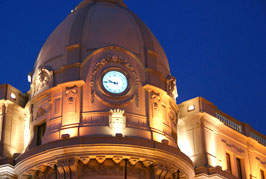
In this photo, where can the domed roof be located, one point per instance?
(96, 24)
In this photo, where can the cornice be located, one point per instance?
(110, 147)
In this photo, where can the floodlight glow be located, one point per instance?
(29, 78)
(13, 96)
(191, 108)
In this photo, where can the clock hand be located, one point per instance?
(109, 81)
(115, 83)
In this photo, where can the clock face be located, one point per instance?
(115, 82)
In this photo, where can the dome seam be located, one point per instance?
(136, 30)
(88, 16)
(82, 30)
(142, 33)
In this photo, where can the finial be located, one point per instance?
(85, 2)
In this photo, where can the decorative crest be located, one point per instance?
(117, 121)
(71, 93)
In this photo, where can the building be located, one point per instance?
(218, 144)
(102, 105)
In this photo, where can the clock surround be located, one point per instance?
(97, 90)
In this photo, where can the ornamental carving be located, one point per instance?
(262, 162)
(117, 121)
(112, 170)
(41, 111)
(155, 98)
(71, 94)
(95, 120)
(172, 115)
(233, 146)
(117, 60)
(42, 79)
(171, 86)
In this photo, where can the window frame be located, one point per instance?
(228, 162)
(40, 133)
(262, 174)
(239, 168)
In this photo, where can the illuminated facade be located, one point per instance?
(218, 144)
(102, 105)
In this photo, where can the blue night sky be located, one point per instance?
(216, 49)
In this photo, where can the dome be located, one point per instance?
(94, 25)
(102, 90)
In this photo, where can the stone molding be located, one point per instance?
(233, 146)
(147, 152)
(7, 171)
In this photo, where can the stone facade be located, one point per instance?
(69, 125)
(210, 137)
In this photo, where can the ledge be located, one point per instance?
(103, 140)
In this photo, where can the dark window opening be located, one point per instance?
(228, 162)
(239, 169)
(40, 133)
(262, 176)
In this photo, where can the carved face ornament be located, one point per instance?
(43, 75)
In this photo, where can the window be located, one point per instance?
(228, 162)
(262, 176)
(40, 133)
(239, 169)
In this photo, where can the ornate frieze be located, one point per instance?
(136, 121)
(99, 119)
(90, 161)
(112, 170)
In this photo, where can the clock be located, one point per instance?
(114, 82)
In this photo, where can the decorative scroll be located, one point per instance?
(117, 60)
(155, 98)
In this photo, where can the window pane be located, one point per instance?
(228, 162)
(40, 133)
(239, 170)
(262, 174)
